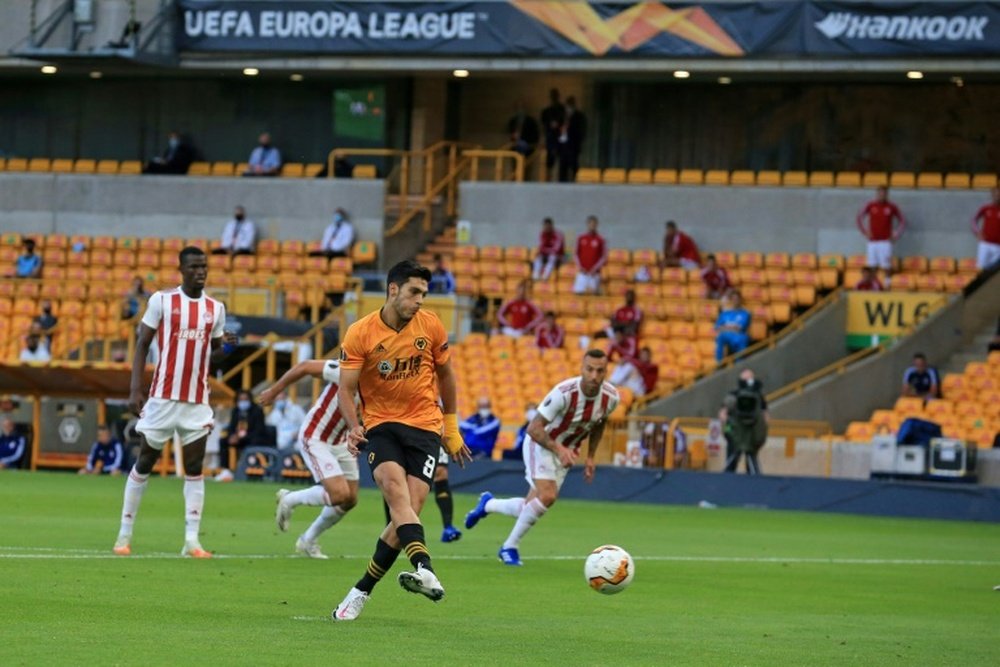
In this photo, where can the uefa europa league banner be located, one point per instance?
(575, 28)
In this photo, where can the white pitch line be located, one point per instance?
(311, 618)
(51, 553)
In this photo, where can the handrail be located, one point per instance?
(778, 428)
(837, 367)
(498, 156)
(448, 181)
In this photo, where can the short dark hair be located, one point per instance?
(547, 221)
(403, 271)
(594, 353)
(710, 256)
(920, 355)
(28, 243)
(550, 313)
(103, 427)
(189, 251)
(671, 224)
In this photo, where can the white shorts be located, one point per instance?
(879, 254)
(325, 460)
(540, 463)
(161, 418)
(987, 255)
(585, 284)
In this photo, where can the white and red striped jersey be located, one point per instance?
(572, 415)
(324, 421)
(184, 328)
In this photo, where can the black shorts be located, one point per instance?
(416, 450)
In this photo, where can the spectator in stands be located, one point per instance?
(623, 346)
(516, 453)
(551, 248)
(732, 326)
(239, 236)
(553, 119)
(920, 379)
(286, 417)
(716, 279)
(12, 445)
(881, 229)
(480, 431)
(591, 256)
(45, 320)
(265, 159)
(638, 373)
(628, 317)
(134, 298)
(986, 227)
(549, 334)
(338, 239)
(571, 137)
(442, 281)
(107, 455)
(176, 159)
(642, 274)
(247, 427)
(679, 249)
(29, 264)
(522, 128)
(520, 315)
(869, 281)
(745, 422)
(480, 314)
(35, 348)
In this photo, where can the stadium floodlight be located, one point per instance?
(682, 74)
(725, 80)
(49, 69)
(914, 74)
(296, 77)
(96, 74)
(251, 71)
(460, 73)
(958, 81)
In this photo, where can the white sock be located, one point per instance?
(531, 513)
(314, 495)
(135, 485)
(508, 506)
(194, 504)
(326, 519)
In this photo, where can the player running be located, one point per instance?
(324, 451)
(188, 325)
(575, 409)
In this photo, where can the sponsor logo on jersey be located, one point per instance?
(420, 343)
(190, 334)
(400, 368)
(385, 367)
(380, 348)
(207, 317)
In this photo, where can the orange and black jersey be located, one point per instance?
(398, 381)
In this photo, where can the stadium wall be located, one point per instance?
(851, 395)
(163, 206)
(820, 220)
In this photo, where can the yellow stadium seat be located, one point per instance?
(903, 282)
(859, 431)
(821, 179)
(691, 177)
(966, 265)
(665, 176)
(929, 282)
(978, 180)
(847, 179)
(768, 178)
(107, 167)
(613, 175)
(199, 169)
(803, 260)
(957, 181)
(85, 166)
(750, 259)
(588, 175)
(292, 170)
(929, 179)
(518, 253)
(713, 177)
(872, 179)
(794, 179)
(222, 168)
(364, 171)
(941, 265)
(39, 164)
(62, 165)
(909, 406)
(17, 164)
(744, 177)
(470, 252)
(640, 176)
(312, 168)
(131, 167)
(902, 179)
(363, 252)
(914, 264)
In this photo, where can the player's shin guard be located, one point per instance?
(531, 513)
(135, 486)
(442, 494)
(411, 536)
(194, 504)
(380, 563)
(326, 519)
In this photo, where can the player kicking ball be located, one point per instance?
(323, 447)
(575, 409)
(188, 326)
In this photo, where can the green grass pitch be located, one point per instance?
(712, 587)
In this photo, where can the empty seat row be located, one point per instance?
(126, 167)
(746, 177)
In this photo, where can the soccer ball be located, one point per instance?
(609, 569)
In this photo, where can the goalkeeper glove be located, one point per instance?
(452, 438)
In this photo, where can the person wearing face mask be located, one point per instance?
(286, 418)
(247, 428)
(35, 348)
(480, 430)
(744, 418)
(515, 453)
(265, 159)
(239, 236)
(338, 237)
(176, 159)
(46, 321)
